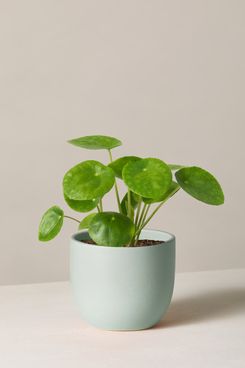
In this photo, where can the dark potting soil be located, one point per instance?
(140, 243)
(148, 242)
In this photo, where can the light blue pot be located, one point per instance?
(123, 288)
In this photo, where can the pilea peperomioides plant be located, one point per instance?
(149, 184)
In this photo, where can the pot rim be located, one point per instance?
(171, 238)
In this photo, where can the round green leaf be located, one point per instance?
(148, 177)
(51, 223)
(96, 142)
(200, 184)
(118, 165)
(81, 206)
(134, 202)
(88, 180)
(84, 224)
(111, 229)
(174, 187)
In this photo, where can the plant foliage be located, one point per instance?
(149, 184)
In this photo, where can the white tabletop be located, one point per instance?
(205, 327)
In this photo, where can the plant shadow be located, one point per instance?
(204, 307)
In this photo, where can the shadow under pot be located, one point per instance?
(123, 288)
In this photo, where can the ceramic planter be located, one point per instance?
(123, 288)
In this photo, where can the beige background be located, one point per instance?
(166, 77)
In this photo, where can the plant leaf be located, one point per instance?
(174, 167)
(174, 187)
(200, 184)
(51, 223)
(85, 223)
(96, 142)
(118, 165)
(88, 180)
(148, 177)
(111, 229)
(81, 206)
(134, 202)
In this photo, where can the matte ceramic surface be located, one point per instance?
(118, 288)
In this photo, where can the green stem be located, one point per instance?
(98, 208)
(72, 218)
(130, 212)
(141, 221)
(137, 217)
(116, 187)
(101, 205)
(146, 213)
(151, 215)
(141, 216)
(154, 212)
(138, 212)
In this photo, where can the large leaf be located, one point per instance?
(174, 187)
(111, 229)
(81, 206)
(51, 223)
(85, 223)
(200, 184)
(148, 177)
(88, 180)
(96, 142)
(118, 165)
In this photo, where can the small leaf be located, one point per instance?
(200, 184)
(118, 165)
(174, 167)
(148, 177)
(85, 223)
(170, 192)
(134, 202)
(111, 229)
(81, 206)
(51, 223)
(96, 142)
(88, 180)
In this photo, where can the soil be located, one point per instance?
(140, 243)
(147, 242)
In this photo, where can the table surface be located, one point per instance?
(204, 327)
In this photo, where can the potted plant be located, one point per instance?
(122, 275)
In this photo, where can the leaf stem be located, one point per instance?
(141, 216)
(138, 212)
(141, 221)
(101, 205)
(151, 215)
(72, 218)
(116, 187)
(130, 211)
(146, 213)
(154, 212)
